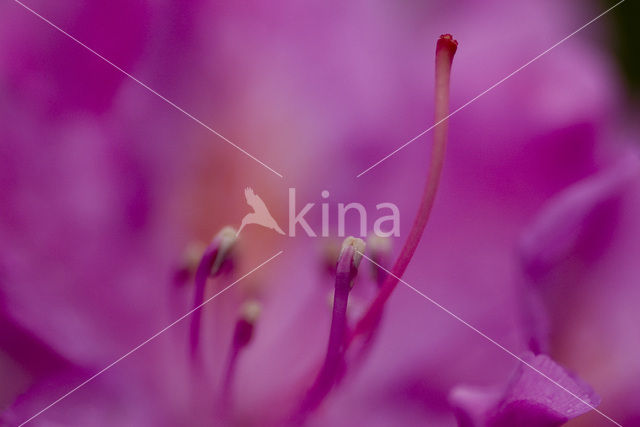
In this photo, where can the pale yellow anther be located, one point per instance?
(250, 311)
(192, 255)
(378, 245)
(358, 248)
(330, 253)
(227, 238)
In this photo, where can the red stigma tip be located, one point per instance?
(445, 50)
(447, 41)
(449, 37)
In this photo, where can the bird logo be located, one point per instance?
(260, 214)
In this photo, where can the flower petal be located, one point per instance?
(529, 399)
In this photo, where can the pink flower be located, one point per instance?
(104, 187)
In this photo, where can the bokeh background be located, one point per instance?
(104, 187)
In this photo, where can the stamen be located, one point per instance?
(212, 260)
(241, 338)
(445, 50)
(331, 296)
(189, 262)
(346, 271)
(379, 251)
(330, 253)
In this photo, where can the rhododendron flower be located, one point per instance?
(129, 132)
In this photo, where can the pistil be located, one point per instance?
(445, 50)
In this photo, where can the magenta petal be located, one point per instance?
(573, 230)
(529, 399)
(470, 404)
(559, 230)
(112, 399)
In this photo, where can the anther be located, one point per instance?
(189, 262)
(242, 336)
(329, 256)
(211, 264)
(379, 251)
(346, 271)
